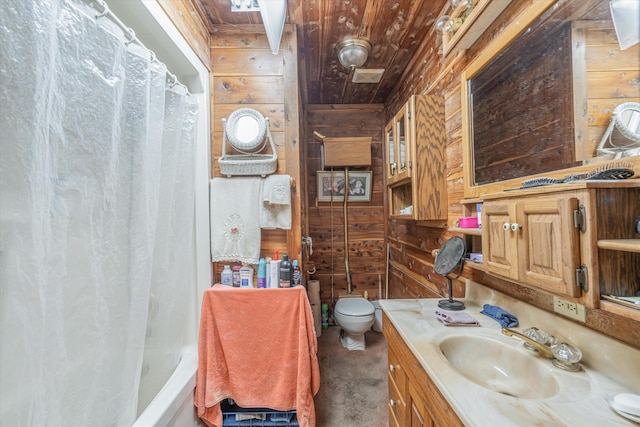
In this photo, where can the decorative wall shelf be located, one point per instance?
(467, 231)
(625, 245)
(481, 16)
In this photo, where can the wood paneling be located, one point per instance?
(365, 220)
(611, 77)
(245, 74)
(190, 19)
(411, 243)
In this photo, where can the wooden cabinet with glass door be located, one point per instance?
(415, 142)
(398, 146)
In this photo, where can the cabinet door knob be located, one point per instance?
(506, 226)
(392, 402)
(516, 227)
(393, 367)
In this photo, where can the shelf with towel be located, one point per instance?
(259, 348)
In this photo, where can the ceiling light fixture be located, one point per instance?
(273, 13)
(353, 52)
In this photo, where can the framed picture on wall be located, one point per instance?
(331, 186)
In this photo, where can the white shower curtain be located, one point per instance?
(96, 215)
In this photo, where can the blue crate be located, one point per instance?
(267, 417)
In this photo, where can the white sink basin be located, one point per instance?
(499, 367)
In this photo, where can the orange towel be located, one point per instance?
(258, 347)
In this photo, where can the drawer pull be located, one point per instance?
(393, 367)
(392, 402)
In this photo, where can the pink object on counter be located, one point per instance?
(258, 347)
(469, 222)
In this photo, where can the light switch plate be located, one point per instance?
(570, 309)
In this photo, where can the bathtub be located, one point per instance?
(173, 405)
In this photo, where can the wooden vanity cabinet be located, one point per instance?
(576, 240)
(397, 391)
(534, 241)
(414, 400)
(415, 142)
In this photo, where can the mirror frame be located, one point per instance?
(502, 41)
(232, 125)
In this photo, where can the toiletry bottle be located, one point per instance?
(225, 276)
(325, 316)
(235, 276)
(296, 275)
(246, 276)
(274, 273)
(262, 273)
(285, 272)
(268, 271)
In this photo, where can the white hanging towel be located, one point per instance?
(275, 211)
(235, 224)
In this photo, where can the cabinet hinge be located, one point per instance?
(408, 115)
(410, 164)
(580, 218)
(581, 278)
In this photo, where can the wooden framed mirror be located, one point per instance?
(537, 101)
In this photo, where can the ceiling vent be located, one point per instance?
(367, 75)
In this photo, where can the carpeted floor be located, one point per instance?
(353, 384)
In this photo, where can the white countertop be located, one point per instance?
(579, 399)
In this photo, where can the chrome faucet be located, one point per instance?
(543, 349)
(564, 355)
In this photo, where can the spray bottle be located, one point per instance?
(262, 273)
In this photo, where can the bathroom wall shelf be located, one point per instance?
(472, 236)
(624, 245)
(481, 16)
(473, 265)
(467, 231)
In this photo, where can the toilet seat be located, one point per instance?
(354, 307)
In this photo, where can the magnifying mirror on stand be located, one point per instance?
(450, 258)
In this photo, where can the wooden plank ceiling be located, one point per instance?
(395, 28)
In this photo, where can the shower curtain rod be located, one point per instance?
(132, 35)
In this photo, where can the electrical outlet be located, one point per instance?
(570, 309)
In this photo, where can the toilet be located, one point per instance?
(355, 316)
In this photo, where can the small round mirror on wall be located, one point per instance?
(245, 129)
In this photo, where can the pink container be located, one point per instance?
(469, 222)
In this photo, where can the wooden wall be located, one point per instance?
(245, 74)
(411, 244)
(365, 220)
(190, 19)
(609, 77)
